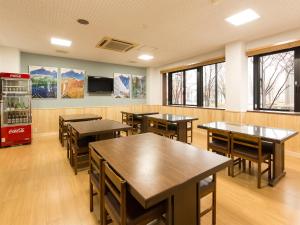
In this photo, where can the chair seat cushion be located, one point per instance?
(135, 212)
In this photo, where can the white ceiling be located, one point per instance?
(171, 30)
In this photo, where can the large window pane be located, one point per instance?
(209, 85)
(221, 84)
(277, 81)
(177, 88)
(191, 87)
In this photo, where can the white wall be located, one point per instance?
(154, 86)
(9, 60)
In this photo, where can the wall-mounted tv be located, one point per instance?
(100, 84)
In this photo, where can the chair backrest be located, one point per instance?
(95, 167)
(246, 141)
(127, 118)
(219, 135)
(74, 138)
(115, 185)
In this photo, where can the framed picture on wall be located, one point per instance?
(44, 81)
(121, 85)
(72, 83)
(138, 86)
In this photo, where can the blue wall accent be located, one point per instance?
(91, 68)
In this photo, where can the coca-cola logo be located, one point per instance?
(16, 131)
(16, 75)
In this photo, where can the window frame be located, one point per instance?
(200, 86)
(256, 80)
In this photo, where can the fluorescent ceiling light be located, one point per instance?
(145, 57)
(243, 17)
(61, 42)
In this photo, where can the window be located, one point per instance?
(275, 77)
(177, 88)
(209, 85)
(191, 87)
(202, 86)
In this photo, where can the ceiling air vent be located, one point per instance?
(115, 45)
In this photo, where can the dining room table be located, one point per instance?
(101, 129)
(181, 123)
(276, 136)
(65, 118)
(140, 116)
(157, 168)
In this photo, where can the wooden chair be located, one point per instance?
(131, 120)
(250, 148)
(69, 130)
(190, 132)
(79, 150)
(161, 127)
(62, 131)
(96, 175)
(122, 207)
(219, 141)
(206, 187)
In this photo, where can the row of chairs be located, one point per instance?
(168, 129)
(242, 148)
(119, 206)
(116, 203)
(133, 121)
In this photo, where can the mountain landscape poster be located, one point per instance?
(72, 83)
(121, 85)
(138, 86)
(44, 81)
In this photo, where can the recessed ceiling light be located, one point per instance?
(61, 42)
(145, 57)
(83, 21)
(243, 17)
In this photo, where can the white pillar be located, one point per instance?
(236, 77)
(154, 86)
(9, 59)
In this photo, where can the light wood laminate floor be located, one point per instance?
(38, 187)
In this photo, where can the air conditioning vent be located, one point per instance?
(115, 45)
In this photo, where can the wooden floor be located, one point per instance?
(38, 187)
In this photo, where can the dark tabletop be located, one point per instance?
(78, 117)
(141, 113)
(267, 133)
(154, 166)
(94, 127)
(172, 118)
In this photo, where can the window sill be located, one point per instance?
(276, 112)
(196, 107)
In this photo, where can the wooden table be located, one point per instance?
(73, 118)
(275, 135)
(99, 128)
(180, 121)
(157, 168)
(142, 116)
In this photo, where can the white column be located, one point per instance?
(236, 77)
(9, 59)
(154, 86)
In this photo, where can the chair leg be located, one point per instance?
(232, 166)
(259, 175)
(244, 165)
(269, 170)
(249, 167)
(91, 197)
(75, 163)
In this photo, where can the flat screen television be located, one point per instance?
(100, 84)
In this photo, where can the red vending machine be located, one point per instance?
(15, 100)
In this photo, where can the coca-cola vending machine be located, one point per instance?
(15, 102)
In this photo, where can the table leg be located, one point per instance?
(182, 131)
(278, 164)
(185, 205)
(144, 124)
